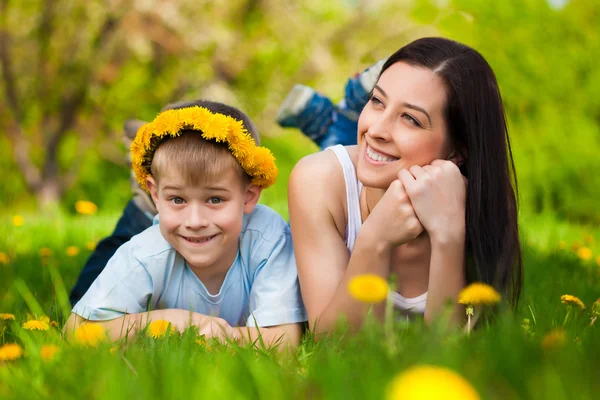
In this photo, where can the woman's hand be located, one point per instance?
(393, 220)
(438, 195)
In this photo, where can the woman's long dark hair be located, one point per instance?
(477, 127)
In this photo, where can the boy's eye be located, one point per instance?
(215, 200)
(177, 200)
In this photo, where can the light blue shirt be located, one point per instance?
(260, 289)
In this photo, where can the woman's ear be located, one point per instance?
(152, 186)
(251, 198)
(457, 158)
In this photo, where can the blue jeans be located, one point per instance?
(328, 124)
(132, 222)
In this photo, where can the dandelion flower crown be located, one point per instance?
(258, 162)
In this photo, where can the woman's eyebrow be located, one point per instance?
(417, 108)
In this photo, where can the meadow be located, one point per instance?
(536, 353)
(61, 118)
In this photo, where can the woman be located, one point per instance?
(397, 204)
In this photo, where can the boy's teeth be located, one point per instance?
(378, 157)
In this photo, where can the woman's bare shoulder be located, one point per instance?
(319, 179)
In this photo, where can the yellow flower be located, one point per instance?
(598, 261)
(575, 246)
(368, 288)
(86, 207)
(158, 329)
(91, 246)
(4, 259)
(48, 351)
(90, 334)
(6, 317)
(478, 293)
(584, 253)
(553, 339)
(18, 220)
(10, 352)
(430, 382)
(571, 300)
(45, 252)
(201, 340)
(72, 251)
(114, 349)
(36, 325)
(54, 324)
(589, 239)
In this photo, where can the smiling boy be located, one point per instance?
(215, 260)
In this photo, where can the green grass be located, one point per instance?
(501, 361)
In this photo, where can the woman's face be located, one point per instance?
(402, 125)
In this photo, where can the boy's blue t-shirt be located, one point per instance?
(260, 289)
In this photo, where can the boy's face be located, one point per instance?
(203, 222)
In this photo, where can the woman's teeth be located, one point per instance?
(378, 157)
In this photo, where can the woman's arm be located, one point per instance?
(324, 265)
(438, 195)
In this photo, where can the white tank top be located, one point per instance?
(353, 189)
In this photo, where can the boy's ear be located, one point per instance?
(251, 198)
(153, 187)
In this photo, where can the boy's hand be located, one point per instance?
(393, 219)
(438, 195)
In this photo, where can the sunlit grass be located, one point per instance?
(540, 353)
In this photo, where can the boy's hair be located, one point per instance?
(196, 159)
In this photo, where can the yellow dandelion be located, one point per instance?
(4, 258)
(201, 340)
(45, 252)
(86, 207)
(36, 325)
(158, 329)
(10, 352)
(368, 288)
(571, 300)
(575, 246)
(90, 334)
(430, 382)
(553, 339)
(478, 293)
(584, 253)
(72, 251)
(48, 351)
(91, 245)
(588, 239)
(6, 317)
(54, 324)
(18, 220)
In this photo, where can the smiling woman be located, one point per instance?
(398, 204)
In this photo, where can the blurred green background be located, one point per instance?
(72, 72)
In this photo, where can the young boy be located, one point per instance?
(216, 259)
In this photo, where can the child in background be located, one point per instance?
(322, 121)
(215, 260)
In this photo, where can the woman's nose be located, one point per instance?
(380, 128)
